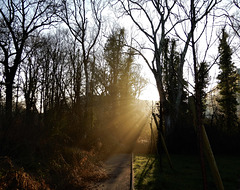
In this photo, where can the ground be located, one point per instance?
(118, 168)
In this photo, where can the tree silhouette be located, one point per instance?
(19, 20)
(227, 85)
(124, 80)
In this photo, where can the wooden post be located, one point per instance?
(208, 151)
(132, 173)
(211, 160)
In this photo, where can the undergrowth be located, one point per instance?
(70, 169)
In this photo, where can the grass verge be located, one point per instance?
(150, 174)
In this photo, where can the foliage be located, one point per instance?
(173, 85)
(227, 85)
(172, 81)
(171, 62)
(221, 140)
(124, 79)
(203, 83)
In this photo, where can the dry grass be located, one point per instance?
(13, 178)
(72, 169)
(76, 169)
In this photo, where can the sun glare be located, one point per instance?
(149, 93)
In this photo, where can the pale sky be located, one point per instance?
(150, 92)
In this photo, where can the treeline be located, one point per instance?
(59, 62)
(53, 86)
(68, 91)
(218, 108)
(69, 78)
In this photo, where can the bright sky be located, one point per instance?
(150, 92)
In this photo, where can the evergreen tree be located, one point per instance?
(171, 61)
(227, 85)
(203, 83)
(124, 77)
(124, 83)
(113, 54)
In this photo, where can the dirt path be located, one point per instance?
(118, 168)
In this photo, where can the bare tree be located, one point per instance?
(84, 20)
(19, 20)
(158, 20)
(30, 85)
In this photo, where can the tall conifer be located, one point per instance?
(227, 85)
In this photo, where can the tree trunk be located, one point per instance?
(9, 96)
(87, 94)
(10, 74)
